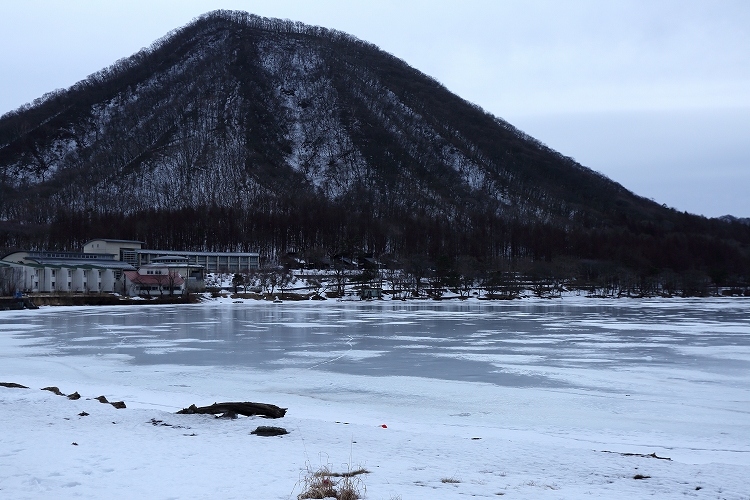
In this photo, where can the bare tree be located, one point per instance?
(11, 280)
(237, 281)
(171, 281)
(340, 277)
(270, 278)
(395, 278)
(417, 269)
(285, 278)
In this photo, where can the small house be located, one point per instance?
(153, 280)
(371, 293)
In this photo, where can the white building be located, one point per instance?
(132, 252)
(75, 272)
(123, 250)
(100, 267)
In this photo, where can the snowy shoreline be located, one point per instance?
(534, 442)
(228, 297)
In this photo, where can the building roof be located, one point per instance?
(166, 253)
(55, 254)
(79, 263)
(171, 265)
(114, 241)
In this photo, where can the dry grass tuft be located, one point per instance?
(317, 484)
(451, 480)
(347, 474)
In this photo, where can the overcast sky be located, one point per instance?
(654, 94)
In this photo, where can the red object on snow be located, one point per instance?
(384, 426)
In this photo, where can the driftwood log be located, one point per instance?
(55, 390)
(12, 385)
(238, 408)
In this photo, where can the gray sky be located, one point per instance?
(654, 94)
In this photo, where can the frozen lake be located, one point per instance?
(514, 344)
(558, 398)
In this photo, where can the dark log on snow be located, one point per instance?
(117, 404)
(264, 430)
(239, 408)
(12, 385)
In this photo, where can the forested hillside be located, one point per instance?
(240, 132)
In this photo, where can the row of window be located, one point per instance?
(52, 284)
(73, 256)
(70, 273)
(213, 261)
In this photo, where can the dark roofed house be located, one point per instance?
(153, 280)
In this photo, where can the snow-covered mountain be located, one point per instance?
(218, 111)
(241, 131)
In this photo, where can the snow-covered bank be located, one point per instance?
(534, 441)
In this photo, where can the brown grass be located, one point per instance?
(321, 484)
(348, 474)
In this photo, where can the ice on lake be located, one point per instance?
(670, 377)
(517, 345)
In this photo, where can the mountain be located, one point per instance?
(241, 132)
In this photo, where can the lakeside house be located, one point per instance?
(153, 280)
(194, 275)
